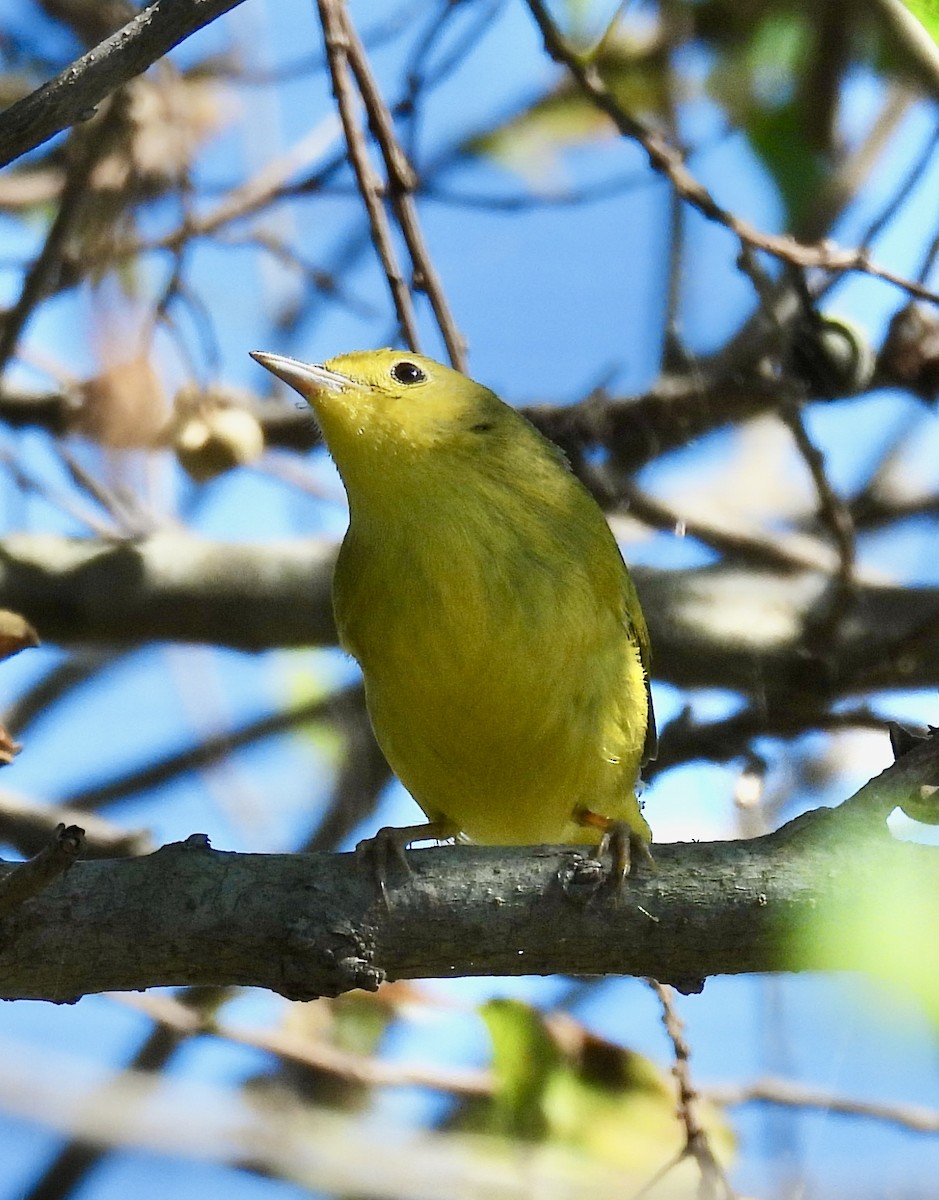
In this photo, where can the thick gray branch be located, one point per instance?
(74, 92)
(171, 586)
(316, 924)
(716, 626)
(307, 925)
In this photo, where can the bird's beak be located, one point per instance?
(309, 379)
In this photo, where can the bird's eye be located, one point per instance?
(407, 372)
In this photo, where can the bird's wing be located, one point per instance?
(639, 631)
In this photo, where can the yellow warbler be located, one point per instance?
(504, 651)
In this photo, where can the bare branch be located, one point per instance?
(172, 585)
(30, 826)
(787, 1092)
(91, 144)
(213, 749)
(189, 915)
(306, 925)
(75, 92)
(721, 626)
(260, 191)
(27, 879)
(669, 162)
(683, 739)
(307, 1051)
(336, 33)
(741, 547)
(836, 517)
(321, 1150)
(401, 184)
(697, 1144)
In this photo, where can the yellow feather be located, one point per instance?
(479, 587)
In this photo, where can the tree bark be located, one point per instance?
(73, 94)
(715, 626)
(309, 925)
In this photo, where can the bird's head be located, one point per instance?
(389, 405)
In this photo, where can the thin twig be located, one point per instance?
(870, 511)
(78, 1157)
(744, 547)
(672, 346)
(27, 879)
(58, 683)
(73, 94)
(28, 825)
(929, 258)
(684, 739)
(386, 29)
(697, 1144)
(91, 144)
(573, 197)
(422, 78)
(835, 515)
(268, 187)
(316, 278)
(265, 186)
(786, 1092)
(402, 182)
(315, 1053)
(335, 32)
(668, 161)
(833, 512)
(898, 198)
(127, 512)
(57, 497)
(212, 749)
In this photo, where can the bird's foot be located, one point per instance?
(625, 847)
(386, 852)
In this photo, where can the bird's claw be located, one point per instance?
(386, 852)
(619, 844)
(626, 849)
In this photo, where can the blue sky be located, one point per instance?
(551, 305)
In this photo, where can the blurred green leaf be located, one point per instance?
(756, 81)
(532, 141)
(360, 1021)
(556, 1082)
(778, 137)
(888, 930)
(927, 13)
(523, 1060)
(306, 682)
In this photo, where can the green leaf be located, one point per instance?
(757, 81)
(532, 141)
(556, 1082)
(927, 13)
(886, 930)
(778, 137)
(524, 1058)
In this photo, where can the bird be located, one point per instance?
(479, 587)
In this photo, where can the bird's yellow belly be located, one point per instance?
(507, 752)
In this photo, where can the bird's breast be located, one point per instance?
(496, 663)
(466, 611)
